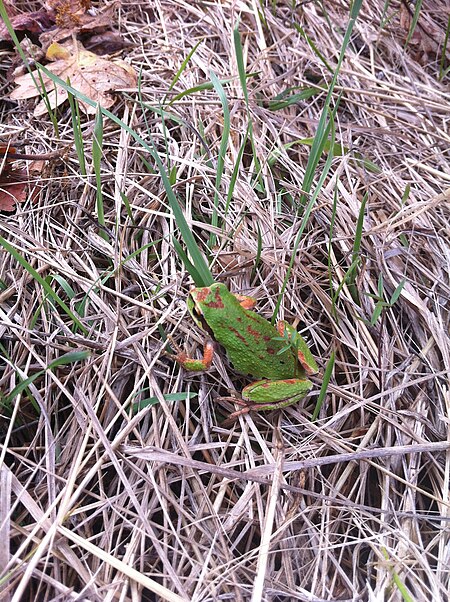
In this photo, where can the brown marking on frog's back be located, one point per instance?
(215, 303)
(238, 334)
(254, 333)
(202, 293)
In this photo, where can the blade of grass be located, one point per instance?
(97, 150)
(151, 401)
(306, 214)
(398, 582)
(313, 47)
(181, 69)
(243, 80)
(324, 387)
(330, 247)
(317, 149)
(443, 72)
(48, 289)
(414, 21)
(184, 228)
(77, 132)
(350, 277)
(67, 358)
(235, 173)
(281, 103)
(195, 89)
(222, 151)
(195, 275)
(40, 88)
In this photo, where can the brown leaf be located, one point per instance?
(90, 74)
(107, 42)
(35, 22)
(84, 23)
(13, 182)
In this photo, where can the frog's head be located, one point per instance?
(205, 299)
(193, 308)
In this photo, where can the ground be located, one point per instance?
(121, 475)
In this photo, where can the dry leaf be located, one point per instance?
(34, 22)
(90, 74)
(84, 23)
(107, 42)
(13, 182)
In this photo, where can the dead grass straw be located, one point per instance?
(103, 501)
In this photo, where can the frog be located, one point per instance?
(254, 346)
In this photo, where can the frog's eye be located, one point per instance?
(199, 317)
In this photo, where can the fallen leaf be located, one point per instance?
(13, 182)
(34, 22)
(107, 42)
(86, 23)
(89, 73)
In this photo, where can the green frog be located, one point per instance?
(254, 346)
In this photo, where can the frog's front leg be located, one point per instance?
(265, 395)
(192, 364)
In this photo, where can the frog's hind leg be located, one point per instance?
(304, 355)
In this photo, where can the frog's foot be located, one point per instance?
(190, 363)
(256, 407)
(235, 415)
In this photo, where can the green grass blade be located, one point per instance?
(182, 68)
(185, 230)
(48, 289)
(321, 135)
(195, 89)
(97, 151)
(195, 275)
(398, 291)
(313, 47)
(442, 71)
(323, 389)
(151, 401)
(40, 88)
(330, 248)
(77, 132)
(306, 214)
(240, 61)
(68, 358)
(414, 21)
(398, 582)
(243, 80)
(281, 103)
(222, 151)
(350, 277)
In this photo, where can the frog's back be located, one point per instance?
(250, 342)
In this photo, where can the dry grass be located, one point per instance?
(100, 502)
